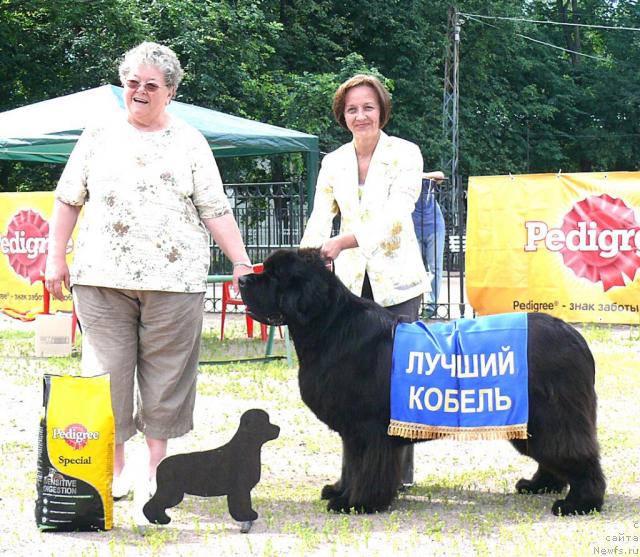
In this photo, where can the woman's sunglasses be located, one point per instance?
(149, 87)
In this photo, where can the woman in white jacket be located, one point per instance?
(373, 183)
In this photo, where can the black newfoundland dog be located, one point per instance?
(344, 347)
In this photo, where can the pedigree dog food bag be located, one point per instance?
(75, 454)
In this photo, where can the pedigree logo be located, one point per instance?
(75, 435)
(26, 244)
(599, 240)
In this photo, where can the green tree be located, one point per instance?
(56, 48)
(525, 106)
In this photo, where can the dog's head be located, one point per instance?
(256, 423)
(295, 288)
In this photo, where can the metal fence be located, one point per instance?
(272, 215)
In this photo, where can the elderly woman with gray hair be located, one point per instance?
(150, 189)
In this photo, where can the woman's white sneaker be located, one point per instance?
(121, 486)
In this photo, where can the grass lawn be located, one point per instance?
(463, 502)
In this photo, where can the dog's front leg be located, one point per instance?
(338, 493)
(376, 482)
(331, 491)
(239, 503)
(371, 468)
(165, 497)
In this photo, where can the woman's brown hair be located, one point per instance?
(384, 97)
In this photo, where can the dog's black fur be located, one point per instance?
(344, 346)
(232, 470)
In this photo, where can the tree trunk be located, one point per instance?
(571, 34)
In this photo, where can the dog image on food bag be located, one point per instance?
(344, 345)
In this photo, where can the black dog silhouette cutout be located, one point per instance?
(232, 470)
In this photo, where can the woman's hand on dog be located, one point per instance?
(333, 246)
(237, 273)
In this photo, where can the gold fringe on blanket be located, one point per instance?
(421, 431)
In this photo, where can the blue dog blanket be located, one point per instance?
(464, 380)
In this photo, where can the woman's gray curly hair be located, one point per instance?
(153, 54)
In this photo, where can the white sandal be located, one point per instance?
(143, 491)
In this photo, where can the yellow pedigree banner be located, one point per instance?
(24, 237)
(564, 244)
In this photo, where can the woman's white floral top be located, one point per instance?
(144, 195)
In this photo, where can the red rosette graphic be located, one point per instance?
(27, 236)
(75, 435)
(602, 213)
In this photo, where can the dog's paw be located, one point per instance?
(251, 516)
(331, 491)
(339, 505)
(243, 515)
(529, 486)
(154, 515)
(369, 509)
(565, 507)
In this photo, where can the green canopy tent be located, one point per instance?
(47, 131)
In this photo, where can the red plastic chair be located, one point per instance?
(228, 299)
